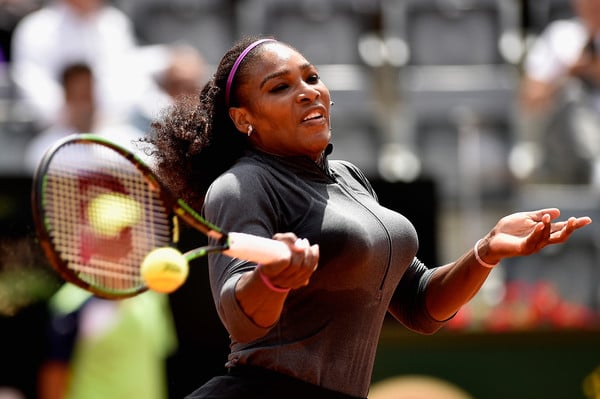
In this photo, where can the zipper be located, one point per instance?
(387, 233)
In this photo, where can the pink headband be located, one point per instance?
(237, 63)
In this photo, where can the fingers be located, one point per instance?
(302, 251)
(541, 231)
(302, 264)
(542, 214)
(582, 221)
(563, 230)
(545, 232)
(305, 259)
(289, 238)
(310, 253)
(548, 214)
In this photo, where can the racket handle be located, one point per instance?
(256, 249)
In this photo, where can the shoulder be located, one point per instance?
(241, 180)
(246, 169)
(244, 198)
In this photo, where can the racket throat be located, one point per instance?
(221, 246)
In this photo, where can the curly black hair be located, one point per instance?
(194, 142)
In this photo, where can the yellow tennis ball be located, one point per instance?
(164, 269)
(110, 213)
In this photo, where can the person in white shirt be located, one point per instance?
(64, 32)
(560, 99)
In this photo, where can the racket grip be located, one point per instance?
(256, 249)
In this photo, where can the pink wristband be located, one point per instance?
(481, 261)
(268, 282)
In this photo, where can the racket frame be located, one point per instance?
(176, 206)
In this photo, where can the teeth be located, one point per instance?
(312, 115)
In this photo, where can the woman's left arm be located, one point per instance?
(518, 234)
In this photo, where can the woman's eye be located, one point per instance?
(313, 78)
(279, 88)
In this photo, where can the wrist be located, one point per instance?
(268, 283)
(478, 256)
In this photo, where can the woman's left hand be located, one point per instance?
(526, 233)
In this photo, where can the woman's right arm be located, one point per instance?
(261, 292)
(250, 299)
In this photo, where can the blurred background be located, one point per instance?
(459, 111)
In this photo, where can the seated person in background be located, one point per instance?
(185, 73)
(78, 113)
(64, 32)
(560, 102)
(180, 71)
(181, 74)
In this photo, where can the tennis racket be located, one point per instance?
(99, 210)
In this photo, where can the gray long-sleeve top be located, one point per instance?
(328, 331)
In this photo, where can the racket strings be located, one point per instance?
(102, 216)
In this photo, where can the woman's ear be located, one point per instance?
(239, 117)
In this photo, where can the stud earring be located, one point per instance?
(331, 103)
(249, 130)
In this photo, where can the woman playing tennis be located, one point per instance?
(308, 326)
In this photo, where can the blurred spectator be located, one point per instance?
(77, 114)
(64, 32)
(177, 70)
(183, 72)
(100, 349)
(560, 99)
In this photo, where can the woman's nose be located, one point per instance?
(308, 93)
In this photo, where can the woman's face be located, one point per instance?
(286, 103)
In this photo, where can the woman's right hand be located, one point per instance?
(262, 292)
(296, 271)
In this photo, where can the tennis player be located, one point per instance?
(254, 154)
